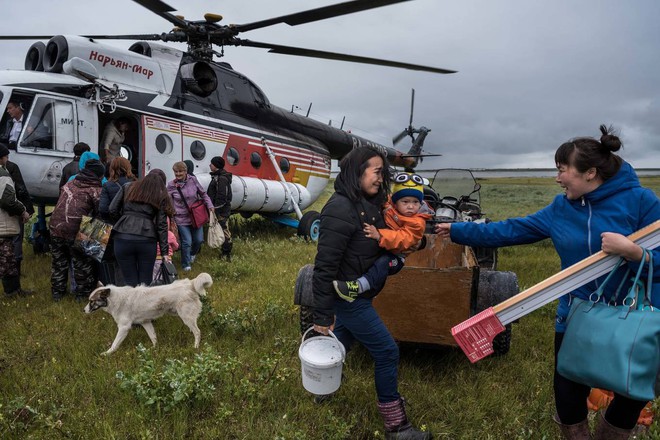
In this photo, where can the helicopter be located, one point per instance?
(186, 105)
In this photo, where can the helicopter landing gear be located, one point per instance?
(309, 225)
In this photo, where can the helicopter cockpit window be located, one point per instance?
(232, 156)
(198, 150)
(285, 165)
(255, 160)
(51, 126)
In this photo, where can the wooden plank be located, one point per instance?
(568, 279)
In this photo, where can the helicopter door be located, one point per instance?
(162, 144)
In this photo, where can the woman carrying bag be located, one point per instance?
(185, 192)
(603, 203)
(142, 208)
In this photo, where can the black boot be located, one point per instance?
(12, 286)
(397, 426)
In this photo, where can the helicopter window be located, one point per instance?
(164, 144)
(232, 156)
(51, 125)
(255, 160)
(285, 165)
(197, 150)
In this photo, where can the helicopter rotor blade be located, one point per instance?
(299, 51)
(396, 139)
(412, 106)
(25, 37)
(421, 156)
(163, 10)
(317, 14)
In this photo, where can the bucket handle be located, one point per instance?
(341, 346)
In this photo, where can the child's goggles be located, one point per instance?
(405, 177)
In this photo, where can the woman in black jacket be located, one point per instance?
(142, 208)
(345, 253)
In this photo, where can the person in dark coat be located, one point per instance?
(219, 192)
(120, 174)
(344, 253)
(142, 208)
(72, 167)
(79, 197)
(12, 213)
(23, 196)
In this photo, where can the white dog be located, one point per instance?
(141, 305)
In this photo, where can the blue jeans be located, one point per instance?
(191, 242)
(385, 265)
(358, 321)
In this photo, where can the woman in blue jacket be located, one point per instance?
(603, 203)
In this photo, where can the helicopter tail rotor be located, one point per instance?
(410, 130)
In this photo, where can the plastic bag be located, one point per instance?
(215, 237)
(93, 238)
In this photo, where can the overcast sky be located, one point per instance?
(531, 74)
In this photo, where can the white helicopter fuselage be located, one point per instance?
(168, 124)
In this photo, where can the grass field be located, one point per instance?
(244, 382)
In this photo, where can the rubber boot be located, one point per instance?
(397, 426)
(577, 431)
(12, 286)
(606, 431)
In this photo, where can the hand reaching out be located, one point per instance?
(442, 229)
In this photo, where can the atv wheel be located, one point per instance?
(502, 342)
(306, 318)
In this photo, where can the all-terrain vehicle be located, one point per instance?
(442, 284)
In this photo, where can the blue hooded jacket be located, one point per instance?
(87, 155)
(619, 205)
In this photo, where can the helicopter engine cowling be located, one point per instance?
(56, 53)
(199, 78)
(251, 194)
(34, 59)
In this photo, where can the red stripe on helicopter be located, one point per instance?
(162, 124)
(205, 133)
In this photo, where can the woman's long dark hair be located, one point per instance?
(150, 190)
(586, 152)
(353, 165)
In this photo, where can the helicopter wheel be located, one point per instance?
(309, 225)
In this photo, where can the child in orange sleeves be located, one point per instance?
(405, 214)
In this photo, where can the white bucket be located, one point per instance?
(321, 358)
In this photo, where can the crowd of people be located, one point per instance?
(149, 218)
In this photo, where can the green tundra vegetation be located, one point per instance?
(244, 382)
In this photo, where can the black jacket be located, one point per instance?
(139, 219)
(108, 193)
(344, 252)
(21, 190)
(219, 192)
(69, 170)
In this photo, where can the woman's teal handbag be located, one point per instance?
(615, 347)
